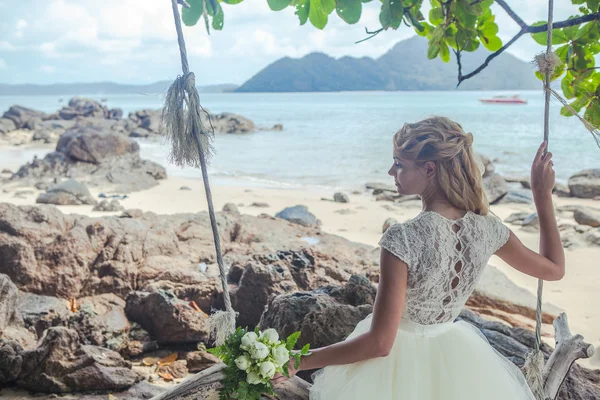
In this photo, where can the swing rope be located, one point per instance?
(192, 145)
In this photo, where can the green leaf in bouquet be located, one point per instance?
(297, 358)
(291, 341)
(305, 350)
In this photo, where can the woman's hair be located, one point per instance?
(443, 141)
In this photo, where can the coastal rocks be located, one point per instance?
(82, 107)
(167, 318)
(341, 198)
(148, 122)
(105, 206)
(42, 312)
(94, 158)
(299, 215)
(8, 301)
(495, 187)
(69, 192)
(231, 208)
(229, 123)
(200, 360)
(11, 361)
(62, 364)
(388, 222)
(587, 217)
(7, 125)
(379, 188)
(561, 190)
(488, 165)
(23, 117)
(177, 369)
(585, 184)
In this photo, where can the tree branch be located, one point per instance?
(524, 29)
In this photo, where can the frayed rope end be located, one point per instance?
(221, 324)
(547, 62)
(534, 365)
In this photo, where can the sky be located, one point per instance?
(134, 41)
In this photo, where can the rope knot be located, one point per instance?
(189, 82)
(547, 62)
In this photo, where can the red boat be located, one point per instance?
(504, 100)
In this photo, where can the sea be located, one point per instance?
(344, 139)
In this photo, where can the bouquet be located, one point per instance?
(252, 359)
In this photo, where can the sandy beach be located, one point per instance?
(361, 220)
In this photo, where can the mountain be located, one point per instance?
(404, 67)
(100, 88)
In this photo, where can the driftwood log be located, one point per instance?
(569, 348)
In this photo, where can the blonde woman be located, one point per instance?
(410, 348)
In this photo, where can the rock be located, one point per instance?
(185, 188)
(298, 215)
(388, 222)
(380, 187)
(11, 361)
(142, 391)
(200, 360)
(6, 171)
(231, 208)
(132, 213)
(592, 237)
(167, 318)
(105, 206)
(587, 217)
(277, 127)
(229, 123)
(341, 198)
(386, 196)
(140, 133)
(517, 218)
(177, 369)
(324, 316)
(495, 187)
(149, 120)
(139, 341)
(69, 192)
(22, 116)
(7, 125)
(82, 107)
(115, 113)
(585, 184)
(8, 301)
(518, 197)
(525, 183)
(345, 211)
(260, 205)
(42, 312)
(95, 158)
(488, 165)
(62, 364)
(531, 220)
(561, 190)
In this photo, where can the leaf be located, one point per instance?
(195, 306)
(217, 24)
(592, 113)
(73, 305)
(316, 15)
(167, 360)
(111, 397)
(278, 5)
(305, 349)
(211, 7)
(433, 51)
(166, 376)
(190, 16)
(436, 16)
(492, 43)
(328, 6)
(349, 10)
(444, 52)
(291, 341)
(558, 35)
(391, 14)
(232, 1)
(149, 361)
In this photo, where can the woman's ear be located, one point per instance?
(430, 169)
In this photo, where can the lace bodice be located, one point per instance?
(445, 260)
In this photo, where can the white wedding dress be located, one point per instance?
(433, 357)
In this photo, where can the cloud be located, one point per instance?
(49, 69)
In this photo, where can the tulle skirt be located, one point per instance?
(450, 361)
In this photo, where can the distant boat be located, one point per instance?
(515, 99)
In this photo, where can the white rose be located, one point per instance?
(253, 378)
(259, 351)
(270, 336)
(243, 362)
(248, 340)
(267, 369)
(281, 355)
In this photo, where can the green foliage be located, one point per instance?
(460, 25)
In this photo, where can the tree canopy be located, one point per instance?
(458, 26)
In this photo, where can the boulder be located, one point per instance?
(8, 301)
(42, 312)
(105, 206)
(587, 217)
(561, 190)
(516, 197)
(69, 192)
(379, 188)
(495, 187)
(82, 107)
(585, 184)
(229, 123)
(11, 361)
(231, 208)
(23, 117)
(488, 165)
(517, 218)
(7, 125)
(298, 215)
(388, 222)
(341, 198)
(177, 369)
(200, 360)
(92, 145)
(167, 318)
(62, 364)
(148, 120)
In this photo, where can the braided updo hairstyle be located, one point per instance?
(443, 142)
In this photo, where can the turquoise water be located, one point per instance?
(343, 140)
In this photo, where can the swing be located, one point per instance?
(191, 146)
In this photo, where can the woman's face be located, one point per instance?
(410, 178)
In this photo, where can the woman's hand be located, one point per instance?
(542, 173)
(279, 378)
